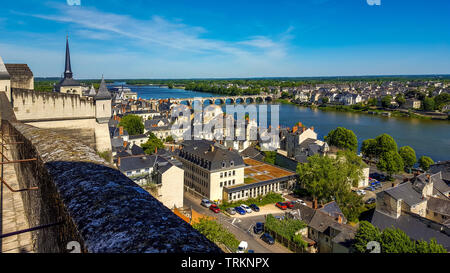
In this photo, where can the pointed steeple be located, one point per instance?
(68, 69)
(103, 93)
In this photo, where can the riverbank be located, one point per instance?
(360, 109)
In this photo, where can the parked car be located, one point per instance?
(378, 176)
(266, 237)
(251, 251)
(281, 205)
(279, 218)
(243, 245)
(240, 210)
(206, 203)
(254, 207)
(301, 202)
(214, 208)
(290, 204)
(370, 188)
(231, 211)
(360, 192)
(370, 201)
(246, 208)
(258, 228)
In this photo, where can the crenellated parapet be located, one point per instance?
(31, 105)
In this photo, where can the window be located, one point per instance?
(225, 183)
(128, 173)
(221, 175)
(221, 184)
(234, 172)
(233, 181)
(225, 174)
(232, 163)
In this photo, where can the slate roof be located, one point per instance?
(137, 150)
(333, 210)
(199, 152)
(137, 162)
(4, 75)
(439, 205)
(103, 93)
(69, 82)
(416, 227)
(407, 193)
(252, 152)
(137, 136)
(443, 167)
(19, 70)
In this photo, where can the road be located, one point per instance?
(241, 228)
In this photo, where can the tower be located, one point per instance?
(5, 80)
(68, 84)
(102, 103)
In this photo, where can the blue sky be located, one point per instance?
(232, 38)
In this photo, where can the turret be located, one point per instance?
(103, 103)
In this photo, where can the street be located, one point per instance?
(242, 228)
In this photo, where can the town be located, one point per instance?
(292, 192)
(226, 132)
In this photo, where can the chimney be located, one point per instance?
(172, 148)
(118, 161)
(300, 124)
(121, 130)
(230, 149)
(303, 129)
(339, 219)
(212, 148)
(312, 129)
(125, 144)
(294, 129)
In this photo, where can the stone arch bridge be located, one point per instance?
(226, 99)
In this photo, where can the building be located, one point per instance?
(209, 167)
(68, 84)
(419, 208)
(297, 136)
(259, 179)
(21, 76)
(324, 233)
(5, 80)
(412, 104)
(103, 103)
(160, 173)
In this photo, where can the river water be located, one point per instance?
(426, 137)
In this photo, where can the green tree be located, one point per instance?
(369, 148)
(386, 101)
(270, 157)
(441, 100)
(428, 104)
(325, 100)
(365, 234)
(385, 143)
(400, 99)
(408, 155)
(396, 241)
(342, 138)
(170, 139)
(372, 102)
(431, 247)
(133, 124)
(390, 162)
(152, 144)
(327, 179)
(425, 162)
(216, 233)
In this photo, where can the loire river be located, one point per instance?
(426, 137)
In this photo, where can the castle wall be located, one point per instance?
(31, 105)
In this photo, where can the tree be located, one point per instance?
(325, 100)
(372, 102)
(431, 247)
(425, 162)
(365, 234)
(441, 100)
(386, 101)
(328, 179)
(390, 162)
(385, 143)
(396, 241)
(270, 157)
(342, 138)
(408, 155)
(216, 233)
(400, 99)
(369, 148)
(170, 139)
(152, 144)
(428, 104)
(133, 124)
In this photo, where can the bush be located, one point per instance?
(216, 233)
(270, 198)
(286, 228)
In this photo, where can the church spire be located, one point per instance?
(68, 70)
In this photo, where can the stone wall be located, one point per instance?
(31, 105)
(94, 203)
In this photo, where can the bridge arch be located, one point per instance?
(219, 101)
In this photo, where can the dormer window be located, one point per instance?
(223, 164)
(232, 163)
